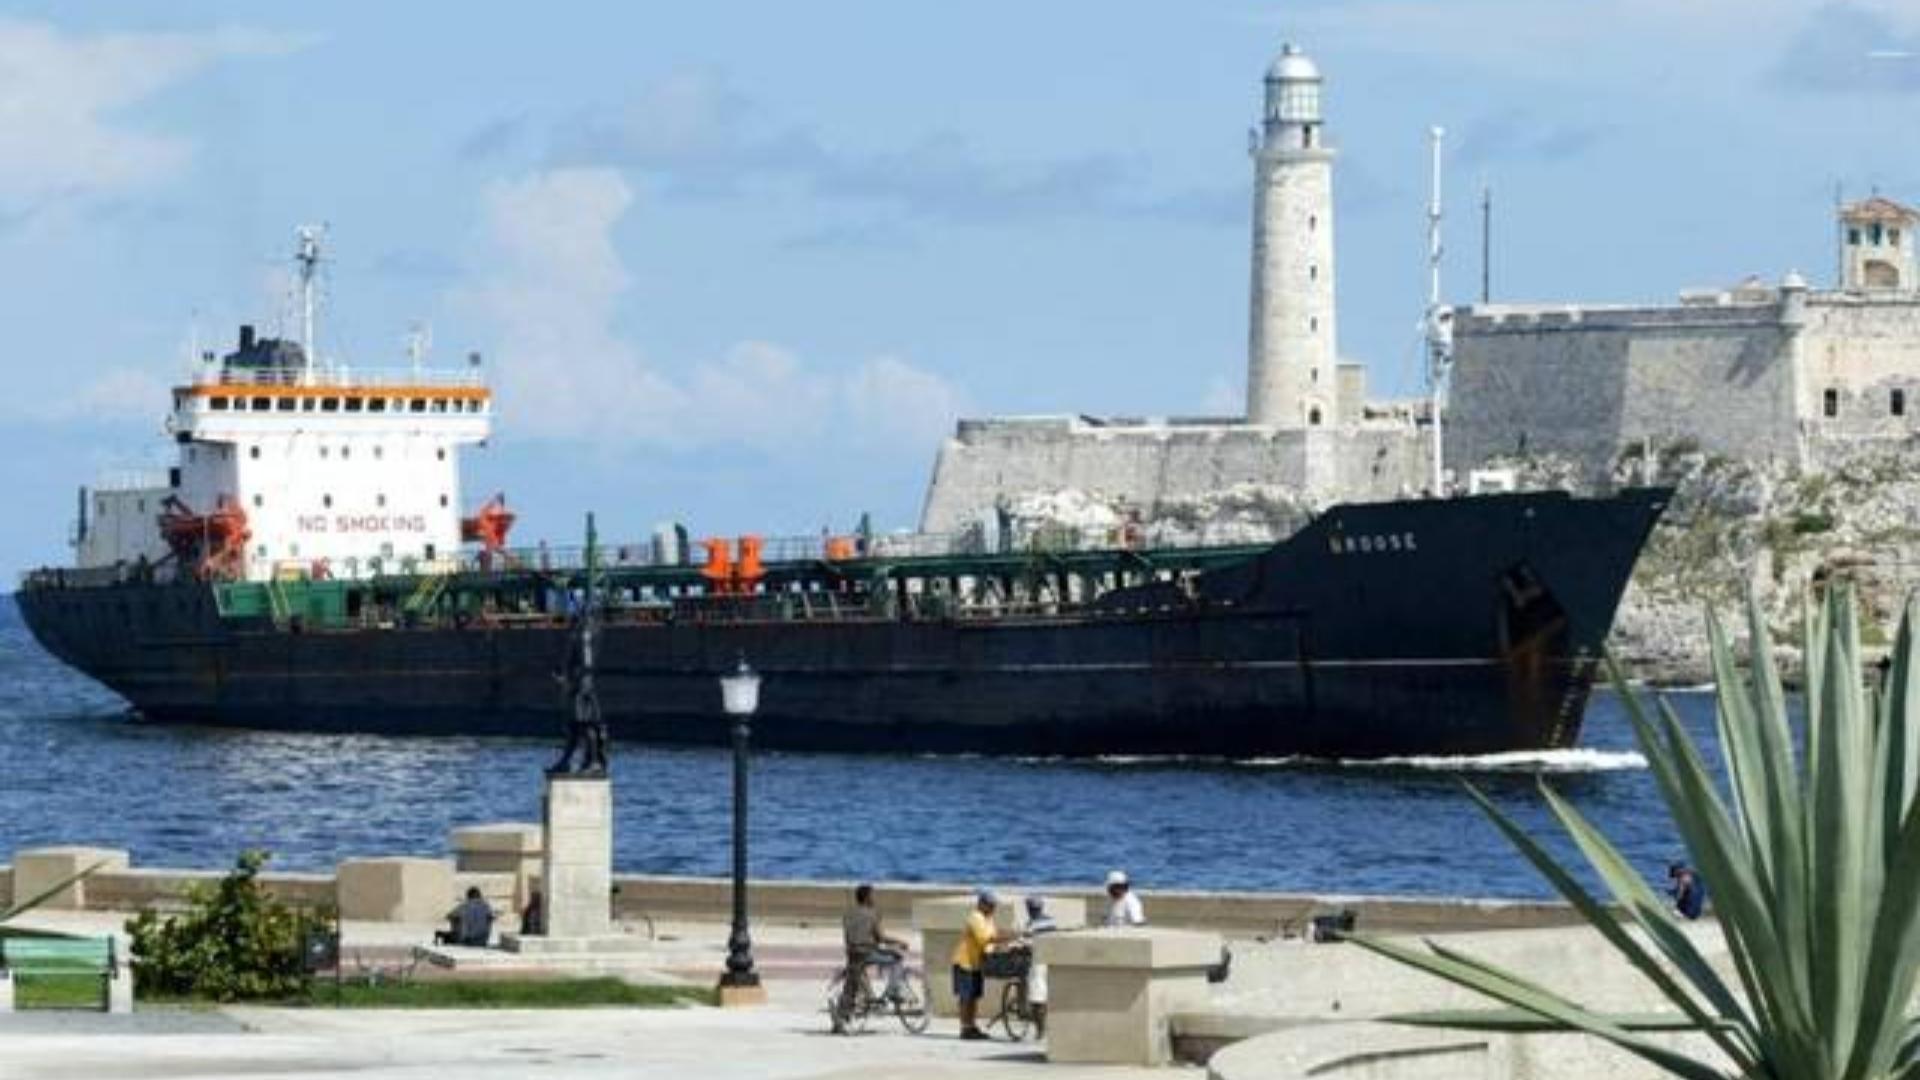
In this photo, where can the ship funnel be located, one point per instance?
(246, 337)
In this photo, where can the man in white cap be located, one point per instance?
(1124, 908)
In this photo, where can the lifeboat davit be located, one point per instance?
(213, 545)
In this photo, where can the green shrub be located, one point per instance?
(1809, 524)
(234, 943)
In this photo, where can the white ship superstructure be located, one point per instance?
(293, 467)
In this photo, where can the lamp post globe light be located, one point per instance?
(740, 697)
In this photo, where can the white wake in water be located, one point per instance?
(1536, 761)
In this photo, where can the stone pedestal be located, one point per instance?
(1113, 992)
(38, 869)
(396, 889)
(120, 990)
(941, 920)
(577, 857)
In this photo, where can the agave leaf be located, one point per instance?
(1787, 841)
(1739, 739)
(1731, 1027)
(1901, 699)
(1519, 993)
(1714, 843)
(1521, 1022)
(1842, 820)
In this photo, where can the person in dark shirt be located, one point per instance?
(1688, 891)
(867, 943)
(471, 923)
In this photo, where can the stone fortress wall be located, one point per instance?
(1757, 374)
(1142, 464)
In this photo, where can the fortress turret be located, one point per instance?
(1877, 245)
(1291, 343)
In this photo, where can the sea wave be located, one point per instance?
(1579, 760)
(1582, 760)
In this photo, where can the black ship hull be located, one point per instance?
(1463, 626)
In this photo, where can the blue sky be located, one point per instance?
(741, 264)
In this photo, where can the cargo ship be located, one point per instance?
(308, 564)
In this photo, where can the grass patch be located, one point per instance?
(507, 994)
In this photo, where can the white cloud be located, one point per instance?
(552, 285)
(61, 95)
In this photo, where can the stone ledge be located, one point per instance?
(1134, 949)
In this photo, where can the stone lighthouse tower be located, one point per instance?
(1291, 353)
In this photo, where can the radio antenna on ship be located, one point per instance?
(307, 258)
(1439, 320)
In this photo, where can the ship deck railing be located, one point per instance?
(340, 376)
(786, 551)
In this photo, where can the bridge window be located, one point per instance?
(377, 405)
(440, 454)
(417, 405)
(306, 404)
(443, 500)
(217, 404)
(331, 404)
(1830, 403)
(355, 404)
(260, 404)
(259, 501)
(253, 452)
(285, 404)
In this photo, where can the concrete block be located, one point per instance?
(1114, 992)
(577, 856)
(396, 889)
(38, 869)
(505, 847)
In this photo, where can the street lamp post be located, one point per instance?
(740, 696)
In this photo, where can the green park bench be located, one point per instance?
(66, 958)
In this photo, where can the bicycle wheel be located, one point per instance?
(1014, 1015)
(855, 1019)
(911, 1004)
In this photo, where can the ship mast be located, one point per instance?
(307, 258)
(1439, 338)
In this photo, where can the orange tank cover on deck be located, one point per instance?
(718, 568)
(750, 570)
(839, 548)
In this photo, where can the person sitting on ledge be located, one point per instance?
(471, 923)
(533, 919)
(1125, 908)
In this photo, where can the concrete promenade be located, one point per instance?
(786, 1038)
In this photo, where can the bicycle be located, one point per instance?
(905, 994)
(1018, 1015)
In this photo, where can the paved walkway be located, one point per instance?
(787, 1038)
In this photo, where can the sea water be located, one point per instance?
(74, 769)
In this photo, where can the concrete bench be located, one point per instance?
(93, 958)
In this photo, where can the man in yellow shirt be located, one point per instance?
(969, 960)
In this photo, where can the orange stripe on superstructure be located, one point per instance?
(430, 393)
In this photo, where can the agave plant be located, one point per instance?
(1812, 854)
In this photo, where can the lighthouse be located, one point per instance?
(1291, 353)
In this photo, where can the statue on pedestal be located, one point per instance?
(586, 726)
